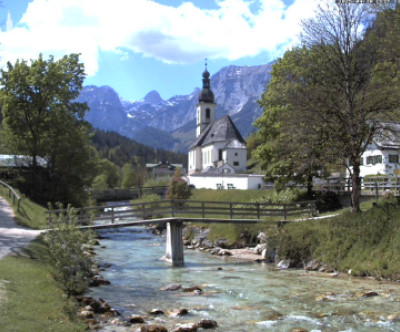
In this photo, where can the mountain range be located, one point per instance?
(170, 124)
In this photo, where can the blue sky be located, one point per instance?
(136, 46)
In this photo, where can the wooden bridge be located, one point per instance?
(119, 194)
(174, 213)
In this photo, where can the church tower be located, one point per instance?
(206, 106)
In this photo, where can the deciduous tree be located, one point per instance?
(43, 119)
(328, 99)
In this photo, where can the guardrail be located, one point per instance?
(12, 194)
(181, 208)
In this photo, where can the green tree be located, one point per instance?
(329, 98)
(108, 175)
(43, 119)
(128, 176)
(178, 188)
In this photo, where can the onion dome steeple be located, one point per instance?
(206, 95)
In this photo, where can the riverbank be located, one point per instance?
(30, 298)
(240, 295)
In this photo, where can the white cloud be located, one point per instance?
(175, 35)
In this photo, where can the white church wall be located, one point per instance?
(237, 158)
(243, 182)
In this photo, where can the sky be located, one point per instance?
(136, 46)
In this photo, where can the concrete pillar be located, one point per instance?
(174, 250)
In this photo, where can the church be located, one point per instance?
(219, 147)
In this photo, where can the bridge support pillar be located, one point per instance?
(174, 250)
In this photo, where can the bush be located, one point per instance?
(178, 188)
(72, 266)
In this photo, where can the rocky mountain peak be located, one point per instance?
(153, 97)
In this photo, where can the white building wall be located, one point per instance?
(237, 158)
(195, 160)
(383, 168)
(243, 182)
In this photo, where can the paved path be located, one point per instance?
(12, 236)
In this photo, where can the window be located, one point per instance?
(394, 158)
(208, 112)
(236, 154)
(373, 160)
(235, 163)
(220, 154)
(361, 161)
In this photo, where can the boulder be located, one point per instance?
(222, 243)
(262, 237)
(370, 294)
(153, 328)
(283, 264)
(98, 281)
(100, 306)
(178, 312)
(189, 327)
(313, 265)
(260, 247)
(86, 314)
(192, 289)
(215, 251)
(206, 244)
(224, 252)
(207, 324)
(136, 319)
(394, 317)
(171, 287)
(156, 312)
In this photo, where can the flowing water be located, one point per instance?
(240, 296)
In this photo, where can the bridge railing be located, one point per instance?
(12, 194)
(187, 208)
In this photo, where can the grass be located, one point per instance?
(30, 214)
(368, 243)
(228, 195)
(33, 300)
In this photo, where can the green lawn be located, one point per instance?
(33, 300)
(30, 214)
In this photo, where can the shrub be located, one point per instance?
(72, 266)
(178, 188)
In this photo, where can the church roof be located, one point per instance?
(221, 130)
(206, 95)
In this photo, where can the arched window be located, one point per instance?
(208, 114)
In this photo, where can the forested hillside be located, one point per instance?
(121, 150)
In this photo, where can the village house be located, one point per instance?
(380, 160)
(163, 169)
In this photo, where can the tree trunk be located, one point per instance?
(309, 185)
(356, 188)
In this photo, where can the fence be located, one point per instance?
(186, 208)
(12, 194)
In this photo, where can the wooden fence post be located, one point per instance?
(258, 211)
(112, 214)
(230, 211)
(143, 210)
(284, 212)
(202, 210)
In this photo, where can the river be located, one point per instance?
(240, 295)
